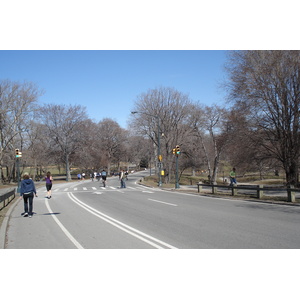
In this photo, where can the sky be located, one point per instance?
(107, 82)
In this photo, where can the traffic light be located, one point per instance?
(177, 150)
(174, 151)
(18, 153)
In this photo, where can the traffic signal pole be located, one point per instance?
(18, 155)
(18, 175)
(176, 152)
(177, 183)
(159, 153)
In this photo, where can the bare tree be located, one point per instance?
(16, 110)
(111, 138)
(64, 126)
(212, 122)
(163, 116)
(266, 85)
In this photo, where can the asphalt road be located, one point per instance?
(86, 215)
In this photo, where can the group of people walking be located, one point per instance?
(28, 190)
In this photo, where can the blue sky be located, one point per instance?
(108, 82)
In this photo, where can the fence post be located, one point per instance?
(260, 193)
(291, 194)
(214, 189)
(199, 188)
(234, 190)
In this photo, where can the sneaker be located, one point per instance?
(30, 216)
(26, 214)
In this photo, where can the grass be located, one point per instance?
(184, 180)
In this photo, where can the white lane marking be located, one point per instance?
(94, 188)
(162, 202)
(128, 229)
(75, 189)
(113, 188)
(84, 188)
(63, 228)
(148, 192)
(66, 189)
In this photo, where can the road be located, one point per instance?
(86, 215)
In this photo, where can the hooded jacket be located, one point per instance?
(27, 186)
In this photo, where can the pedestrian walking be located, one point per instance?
(48, 179)
(103, 175)
(92, 176)
(232, 176)
(98, 176)
(122, 177)
(27, 191)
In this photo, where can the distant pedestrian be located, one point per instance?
(83, 176)
(48, 179)
(27, 191)
(232, 175)
(104, 175)
(79, 176)
(122, 177)
(98, 176)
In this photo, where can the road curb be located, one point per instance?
(223, 196)
(3, 228)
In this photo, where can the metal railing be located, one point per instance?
(7, 197)
(288, 193)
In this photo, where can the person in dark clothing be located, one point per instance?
(49, 180)
(27, 191)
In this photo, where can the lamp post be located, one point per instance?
(159, 156)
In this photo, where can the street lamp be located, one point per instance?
(159, 156)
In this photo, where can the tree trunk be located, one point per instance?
(68, 173)
(291, 172)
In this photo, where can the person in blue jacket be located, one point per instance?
(27, 191)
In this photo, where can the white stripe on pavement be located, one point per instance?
(128, 229)
(63, 228)
(162, 202)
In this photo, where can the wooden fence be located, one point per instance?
(288, 193)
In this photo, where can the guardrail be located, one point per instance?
(260, 189)
(7, 197)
